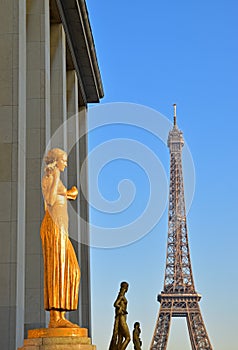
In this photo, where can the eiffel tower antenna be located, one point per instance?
(175, 116)
(179, 297)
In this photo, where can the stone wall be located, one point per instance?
(40, 89)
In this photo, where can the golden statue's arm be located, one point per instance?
(72, 193)
(50, 186)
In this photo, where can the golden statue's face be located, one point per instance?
(62, 162)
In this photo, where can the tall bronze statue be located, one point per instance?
(121, 335)
(136, 336)
(61, 270)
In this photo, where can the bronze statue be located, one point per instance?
(61, 270)
(121, 335)
(136, 336)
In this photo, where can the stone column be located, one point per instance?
(12, 174)
(38, 116)
(72, 146)
(21, 178)
(58, 86)
(78, 211)
(73, 169)
(84, 254)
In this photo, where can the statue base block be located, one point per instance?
(58, 339)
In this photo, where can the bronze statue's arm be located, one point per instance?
(117, 304)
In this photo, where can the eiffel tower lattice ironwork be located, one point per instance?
(179, 297)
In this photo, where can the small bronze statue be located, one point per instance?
(121, 334)
(136, 336)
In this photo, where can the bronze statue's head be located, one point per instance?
(124, 286)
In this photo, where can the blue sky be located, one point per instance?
(155, 54)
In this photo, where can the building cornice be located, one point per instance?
(74, 16)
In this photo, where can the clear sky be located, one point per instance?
(154, 54)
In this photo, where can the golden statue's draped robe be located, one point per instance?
(61, 270)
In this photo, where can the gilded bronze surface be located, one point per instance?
(57, 332)
(121, 334)
(136, 336)
(61, 270)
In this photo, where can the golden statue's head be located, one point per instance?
(55, 157)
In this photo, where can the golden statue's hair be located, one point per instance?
(53, 155)
(51, 158)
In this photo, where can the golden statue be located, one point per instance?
(121, 335)
(61, 270)
(136, 336)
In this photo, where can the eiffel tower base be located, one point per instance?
(180, 305)
(58, 339)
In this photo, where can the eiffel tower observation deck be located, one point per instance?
(179, 297)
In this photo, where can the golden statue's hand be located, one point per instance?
(72, 193)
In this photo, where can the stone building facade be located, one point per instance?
(48, 72)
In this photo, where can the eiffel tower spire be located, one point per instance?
(175, 116)
(179, 297)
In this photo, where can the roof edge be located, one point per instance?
(92, 46)
(74, 15)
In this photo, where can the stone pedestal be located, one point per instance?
(58, 339)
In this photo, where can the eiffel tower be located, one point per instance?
(179, 297)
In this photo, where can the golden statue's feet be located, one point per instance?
(62, 323)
